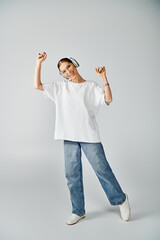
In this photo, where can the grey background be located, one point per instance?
(124, 37)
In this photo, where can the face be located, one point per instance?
(68, 70)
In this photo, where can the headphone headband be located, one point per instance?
(74, 60)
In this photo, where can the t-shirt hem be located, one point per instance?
(77, 140)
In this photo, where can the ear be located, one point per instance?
(73, 64)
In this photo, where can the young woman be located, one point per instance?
(77, 102)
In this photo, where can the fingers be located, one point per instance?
(43, 55)
(99, 69)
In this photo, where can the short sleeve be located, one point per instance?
(99, 94)
(50, 90)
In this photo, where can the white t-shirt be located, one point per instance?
(76, 107)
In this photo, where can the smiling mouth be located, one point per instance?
(71, 74)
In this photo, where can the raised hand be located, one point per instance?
(101, 71)
(41, 57)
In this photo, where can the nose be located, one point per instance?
(67, 71)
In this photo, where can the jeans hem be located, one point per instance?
(116, 204)
(78, 213)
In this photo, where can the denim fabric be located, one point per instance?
(95, 154)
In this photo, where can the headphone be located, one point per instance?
(76, 64)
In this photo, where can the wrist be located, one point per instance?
(106, 84)
(38, 63)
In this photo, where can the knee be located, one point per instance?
(102, 168)
(68, 174)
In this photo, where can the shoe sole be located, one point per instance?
(76, 222)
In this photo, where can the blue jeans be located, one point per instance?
(95, 154)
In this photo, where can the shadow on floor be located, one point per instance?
(135, 216)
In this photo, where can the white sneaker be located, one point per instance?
(125, 209)
(74, 218)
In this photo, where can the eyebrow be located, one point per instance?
(67, 66)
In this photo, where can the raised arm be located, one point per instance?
(101, 71)
(37, 75)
